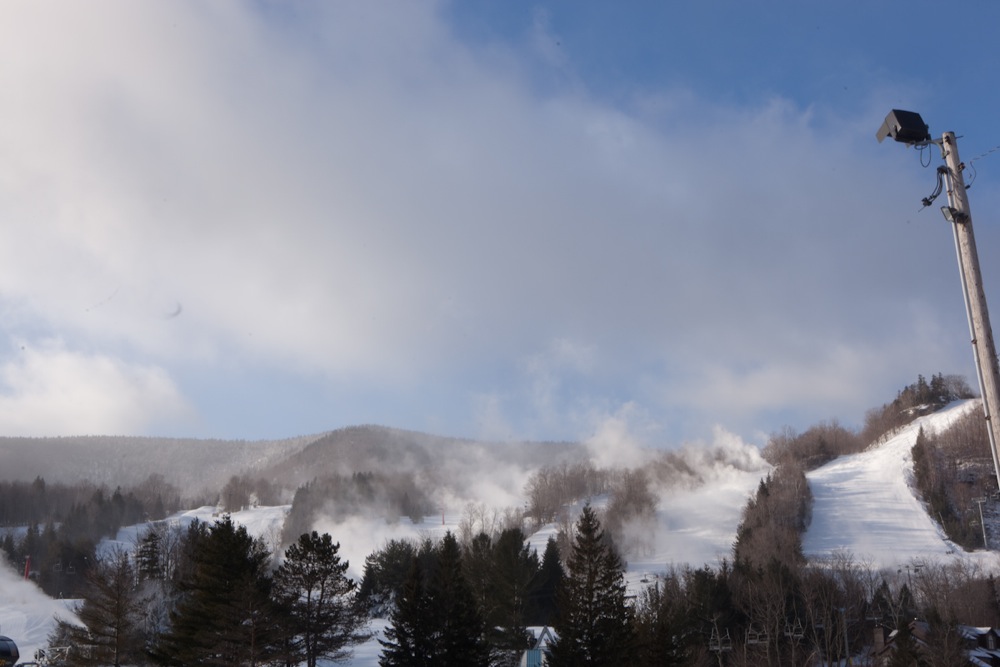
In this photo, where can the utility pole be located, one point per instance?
(909, 128)
(958, 214)
(982, 522)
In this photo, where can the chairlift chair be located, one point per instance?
(794, 630)
(719, 643)
(755, 636)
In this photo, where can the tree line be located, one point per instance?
(62, 525)
(214, 595)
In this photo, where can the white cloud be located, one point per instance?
(349, 192)
(51, 390)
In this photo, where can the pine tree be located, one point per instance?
(514, 570)
(667, 628)
(436, 622)
(409, 640)
(323, 619)
(149, 556)
(224, 616)
(385, 574)
(477, 562)
(542, 598)
(595, 622)
(111, 613)
(459, 627)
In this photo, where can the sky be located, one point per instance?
(646, 222)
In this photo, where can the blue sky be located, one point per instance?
(647, 222)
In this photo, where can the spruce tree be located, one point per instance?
(667, 628)
(542, 597)
(513, 572)
(149, 556)
(319, 596)
(224, 616)
(459, 627)
(409, 640)
(595, 621)
(437, 623)
(385, 573)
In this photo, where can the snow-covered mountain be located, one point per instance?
(863, 504)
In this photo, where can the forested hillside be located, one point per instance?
(472, 588)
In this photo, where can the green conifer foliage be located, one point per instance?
(437, 623)
(409, 640)
(312, 582)
(224, 616)
(595, 623)
(542, 599)
(459, 626)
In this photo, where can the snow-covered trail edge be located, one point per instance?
(865, 504)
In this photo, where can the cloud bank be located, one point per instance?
(357, 200)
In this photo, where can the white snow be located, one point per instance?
(863, 504)
(27, 615)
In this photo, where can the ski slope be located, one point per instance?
(27, 615)
(864, 504)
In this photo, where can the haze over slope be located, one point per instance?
(863, 504)
(191, 464)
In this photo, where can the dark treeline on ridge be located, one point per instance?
(64, 522)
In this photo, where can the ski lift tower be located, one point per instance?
(909, 128)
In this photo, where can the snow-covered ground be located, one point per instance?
(863, 504)
(26, 614)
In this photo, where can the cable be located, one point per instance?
(921, 149)
(978, 157)
(928, 200)
(989, 152)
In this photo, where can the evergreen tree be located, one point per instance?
(595, 622)
(224, 616)
(667, 629)
(543, 605)
(111, 613)
(478, 566)
(438, 622)
(409, 640)
(149, 556)
(459, 627)
(385, 573)
(513, 572)
(313, 582)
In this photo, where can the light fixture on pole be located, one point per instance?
(909, 128)
(906, 127)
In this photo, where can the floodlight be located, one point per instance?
(904, 126)
(953, 215)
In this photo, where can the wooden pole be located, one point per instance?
(983, 347)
